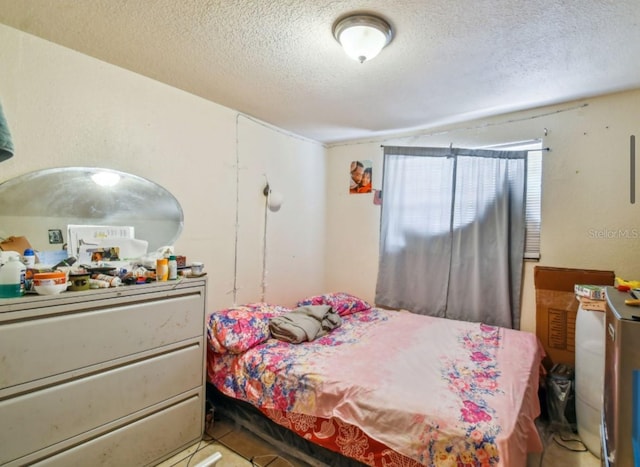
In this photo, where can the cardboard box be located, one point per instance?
(556, 308)
(592, 305)
(13, 243)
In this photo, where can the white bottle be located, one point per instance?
(29, 258)
(12, 275)
(173, 268)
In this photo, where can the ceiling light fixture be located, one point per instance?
(362, 36)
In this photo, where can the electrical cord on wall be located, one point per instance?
(237, 216)
(237, 226)
(267, 191)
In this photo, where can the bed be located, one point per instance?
(385, 387)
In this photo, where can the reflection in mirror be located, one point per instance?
(38, 203)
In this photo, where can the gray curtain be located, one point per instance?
(452, 233)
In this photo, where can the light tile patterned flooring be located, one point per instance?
(561, 451)
(240, 448)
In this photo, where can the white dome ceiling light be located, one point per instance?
(362, 36)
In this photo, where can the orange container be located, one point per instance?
(50, 278)
(162, 269)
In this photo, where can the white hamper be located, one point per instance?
(590, 341)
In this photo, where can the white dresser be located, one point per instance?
(102, 377)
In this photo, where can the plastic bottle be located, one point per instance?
(29, 258)
(173, 268)
(113, 281)
(98, 284)
(12, 275)
(162, 269)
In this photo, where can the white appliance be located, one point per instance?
(590, 342)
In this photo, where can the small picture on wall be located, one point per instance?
(361, 175)
(55, 236)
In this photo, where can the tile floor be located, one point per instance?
(559, 453)
(239, 447)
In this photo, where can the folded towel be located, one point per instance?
(304, 324)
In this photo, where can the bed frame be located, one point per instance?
(248, 417)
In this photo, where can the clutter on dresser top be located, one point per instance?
(23, 273)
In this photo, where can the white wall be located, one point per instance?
(296, 233)
(67, 109)
(585, 191)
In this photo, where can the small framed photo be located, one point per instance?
(55, 236)
(361, 177)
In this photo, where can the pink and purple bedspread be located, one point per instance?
(435, 391)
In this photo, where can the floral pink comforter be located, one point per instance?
(438, 391)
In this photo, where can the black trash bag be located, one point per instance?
(561, 405)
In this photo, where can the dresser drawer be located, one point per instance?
(57, 414)
(141, 443)
(59, 343)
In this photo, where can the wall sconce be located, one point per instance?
(362, 36)
(6, 145)
(274, 198)
(273, 202)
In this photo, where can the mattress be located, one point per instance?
(392, 388)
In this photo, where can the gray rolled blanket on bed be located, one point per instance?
(305, 323)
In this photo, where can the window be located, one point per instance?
(534, 193)
(418, 197)
(453, 231)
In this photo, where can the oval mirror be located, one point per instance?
(40, 205)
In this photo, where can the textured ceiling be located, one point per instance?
(451, 60)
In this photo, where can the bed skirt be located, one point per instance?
(250, 418)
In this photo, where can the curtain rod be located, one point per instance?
(411, 135)
(488, 149)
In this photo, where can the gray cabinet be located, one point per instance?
(621, 404)
(102, 377)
